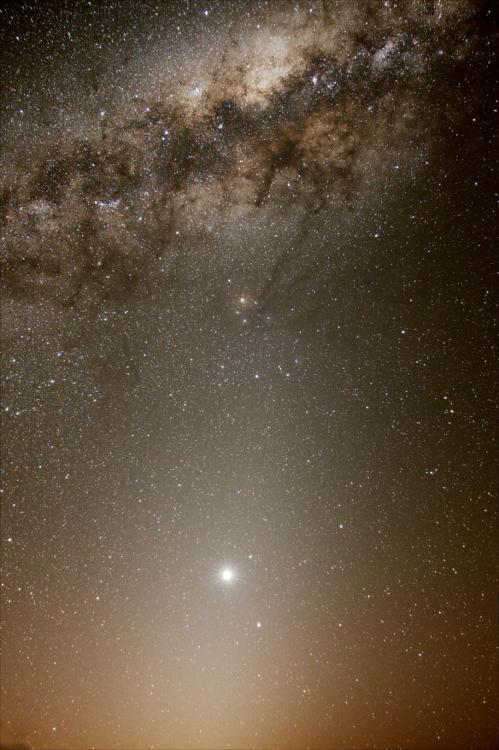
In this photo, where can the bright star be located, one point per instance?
(227, 575)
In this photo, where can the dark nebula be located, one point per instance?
(248, 255)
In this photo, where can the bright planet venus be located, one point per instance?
(249, 494)
(227, 575)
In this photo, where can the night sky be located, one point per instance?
(249, 492)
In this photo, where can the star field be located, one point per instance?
(248, 357)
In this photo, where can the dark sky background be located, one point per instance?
(247, 334)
